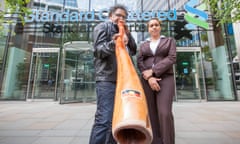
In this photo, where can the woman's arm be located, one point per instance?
(140, 58)
(165, 64)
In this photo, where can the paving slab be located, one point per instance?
(53, 123)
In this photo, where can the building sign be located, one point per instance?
(84, 21)
(86, 27)
(195, 15)
(89, 16)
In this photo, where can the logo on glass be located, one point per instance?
(196, 16)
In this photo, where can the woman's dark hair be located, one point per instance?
(115, 7)
(154, 18)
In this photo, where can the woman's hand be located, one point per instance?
(147, 74)
(153, 82)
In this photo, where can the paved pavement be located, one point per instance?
(52, 123)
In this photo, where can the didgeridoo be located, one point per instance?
(131, 123)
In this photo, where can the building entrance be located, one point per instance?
(190, 84)
(77, 77)
(43, 75)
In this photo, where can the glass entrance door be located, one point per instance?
(78, 82)
(190, 84)
(42, 83)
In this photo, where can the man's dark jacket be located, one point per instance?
(104, 51)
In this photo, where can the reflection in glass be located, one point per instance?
(43, 75)
(78, 74)
(15, 74)
(189, 76)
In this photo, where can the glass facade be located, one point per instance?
(50, 57)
